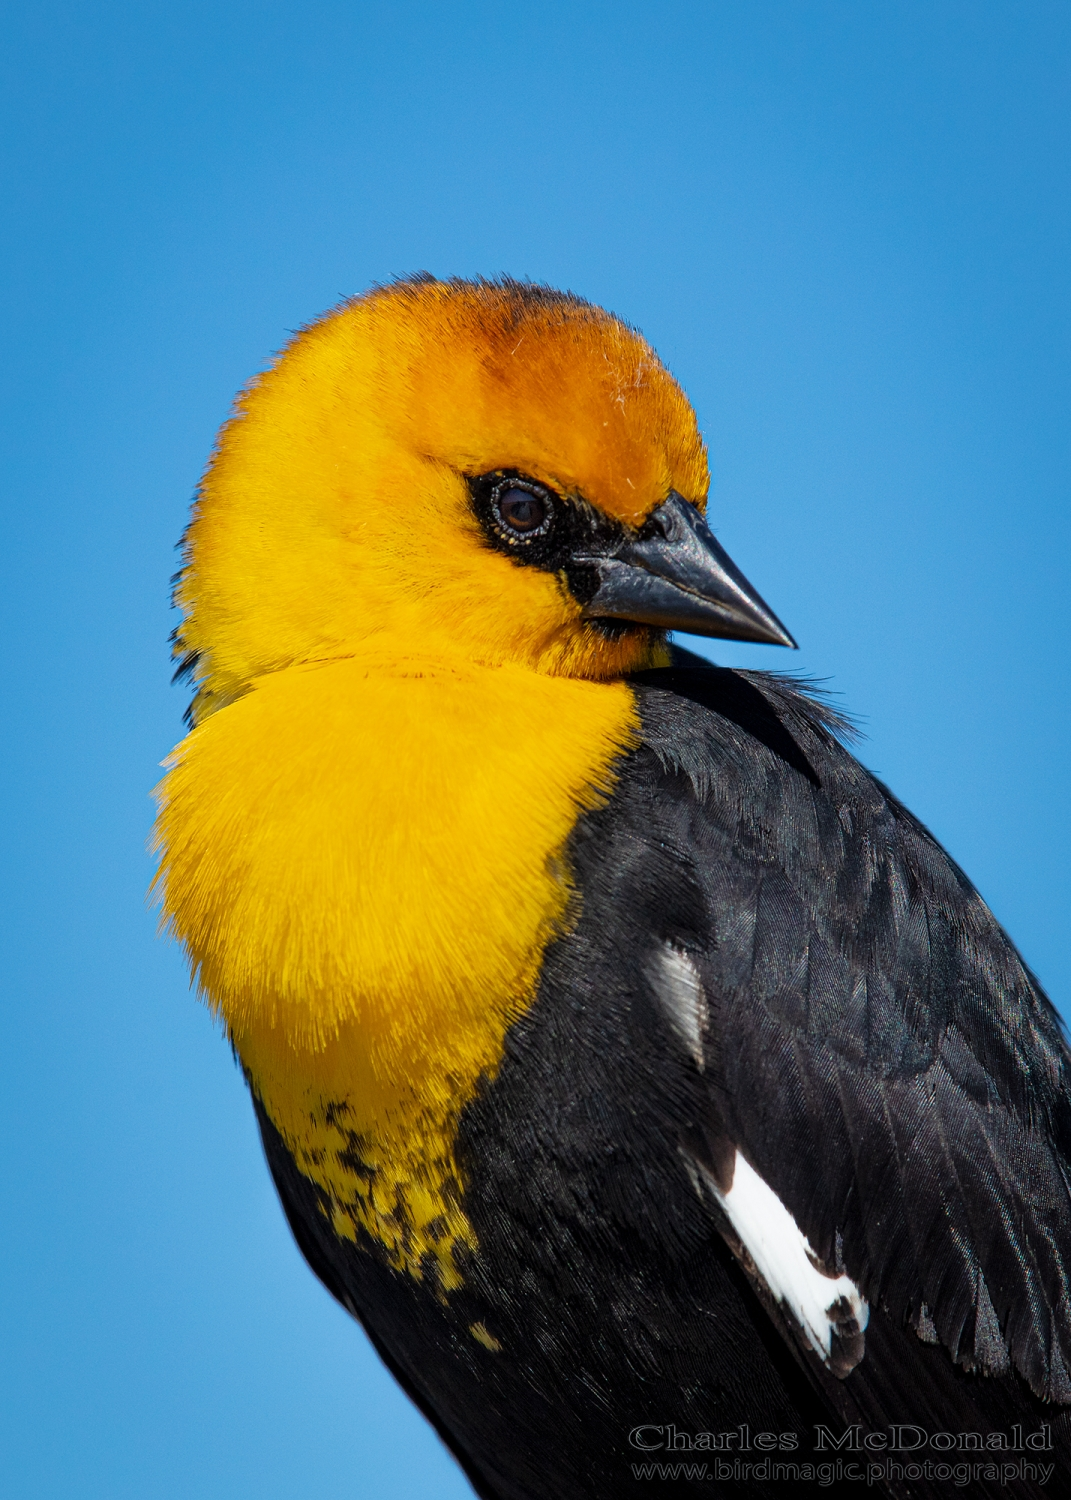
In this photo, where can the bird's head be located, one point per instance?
(454, 470)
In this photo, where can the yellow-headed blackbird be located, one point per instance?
(641, 1074)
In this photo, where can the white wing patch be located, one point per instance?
(822, 1305)
(675, 980)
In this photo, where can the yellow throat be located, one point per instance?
(365, 869)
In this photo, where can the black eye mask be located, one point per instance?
(670, 574)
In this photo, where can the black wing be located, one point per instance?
(874, 1045)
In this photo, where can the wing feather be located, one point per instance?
(875, 1045)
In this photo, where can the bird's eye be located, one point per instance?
(522, 511)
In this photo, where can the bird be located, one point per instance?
(658, 1094)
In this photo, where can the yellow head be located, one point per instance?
(338, 514)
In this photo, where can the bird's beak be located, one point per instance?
(674, 575)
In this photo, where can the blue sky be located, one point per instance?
(846, 228)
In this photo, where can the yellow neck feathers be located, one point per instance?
(364, 841)
(365, 863)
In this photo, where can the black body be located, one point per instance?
(873, 1045)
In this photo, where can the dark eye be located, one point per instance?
(523, 512)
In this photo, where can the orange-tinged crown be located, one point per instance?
(335, 517)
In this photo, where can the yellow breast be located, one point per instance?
(365, 863)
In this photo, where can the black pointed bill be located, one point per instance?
(675, 575)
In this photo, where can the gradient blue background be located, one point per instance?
(846, 228)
